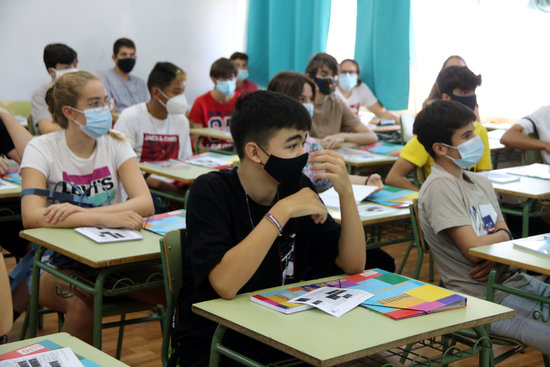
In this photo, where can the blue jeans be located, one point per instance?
(523, 327)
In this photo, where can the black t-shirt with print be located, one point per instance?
(219, 216)
(6, 144)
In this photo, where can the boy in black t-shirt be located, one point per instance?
(263, 225)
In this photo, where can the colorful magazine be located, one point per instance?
(213, 160)
(12, 176)
(169, 164)
(384, 148)
(394, 197)
(41, 347)
(165, 222)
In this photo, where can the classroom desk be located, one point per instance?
(66, 340)
(10, 192)
(110, 262)
(529, 188)
(323, 340)
(503, 254)
(187, 174)
(207, 132)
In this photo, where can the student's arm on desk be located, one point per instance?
(361, 135)
(47, 126)
(241, 262)
(465, 238)
(129, 213)
(515, 138)
(398, 172)
(380, 111)
(351, 245)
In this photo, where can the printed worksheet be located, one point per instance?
(63, 357)
(335, 301)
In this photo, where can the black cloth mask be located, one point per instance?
(126, 65)
(326, 85)
(286, 171)
(468, 101)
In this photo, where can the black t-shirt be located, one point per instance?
(219, 216)
(6, 144)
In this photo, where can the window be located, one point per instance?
(341, 32)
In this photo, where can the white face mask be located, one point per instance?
(58, 73)
(175, 105)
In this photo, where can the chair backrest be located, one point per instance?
(531, 156)
(171, 255)
(20, 108)
(407, 122)
(417, 229)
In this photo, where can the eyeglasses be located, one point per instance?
(95, 103)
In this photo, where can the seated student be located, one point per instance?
(6, 311)
(214, 108)
(355, 93)
(59, 59)
(158, 130)
(453, 60)
(243, 84)
(263, 225)
(538, 123)
(84, 153)
(459, 210)
(455, 83)
(333, 123)
(126, 90)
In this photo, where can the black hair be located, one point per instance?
(223, 68)
(163, 74)
(123, 42)
(438, 121)
(291, 83)
(259, 115)
(58, 53)
(319, 60)
(460, 77)
(359, 81)
(239, 56)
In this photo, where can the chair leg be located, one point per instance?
(431, 268)
(120, 336)
(546, 360)
(25, 326)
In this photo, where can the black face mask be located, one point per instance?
(126, 65)
(468, 101)
(326, 85)
(285, 170)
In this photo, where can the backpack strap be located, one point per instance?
(52, 195)
(532, 123)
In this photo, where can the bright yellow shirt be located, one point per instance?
(415, 153)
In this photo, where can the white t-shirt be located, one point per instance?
(39, 107)
(361, 95)
(541, 118)
(154, 139)
(50, 155)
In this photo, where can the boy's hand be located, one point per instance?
(375, 180)
(481, 272)
(4, 166)
(332, 141)
(305, 202)
(335, 169)
(125, 219)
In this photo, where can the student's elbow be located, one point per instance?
(352, 266)
(222, 290)
(31, 220)
(372, 138)
(393, 178)
(510, 137)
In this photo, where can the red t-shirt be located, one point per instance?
(210, 113)
(247, 87)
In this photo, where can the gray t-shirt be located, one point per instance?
(446, 202)
(39, 108)
(125, 93)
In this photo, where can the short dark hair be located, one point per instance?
(58, 53)
(259, 115)
(460, 77)
(123, 42)
(359, 81)
(319, 60)
(290, 83)
(223, 68)
(239, 56)
(439, 120)
(163, 74)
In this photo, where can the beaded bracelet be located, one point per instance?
(367, 180)
(505, 230)
(275, 222)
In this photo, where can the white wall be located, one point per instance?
(189, 33)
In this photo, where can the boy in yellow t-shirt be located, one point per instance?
(456, 83)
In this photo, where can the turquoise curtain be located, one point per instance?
(382, 49)
(284, 35)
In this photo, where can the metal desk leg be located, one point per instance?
(491, 281)
(525, 218)
(98, 308)
(35, 293)
(486, 352)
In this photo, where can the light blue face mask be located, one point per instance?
(98, 121)
(471, 152)
(243, 74)
(347, 81)
(226, 87)
(309, 108)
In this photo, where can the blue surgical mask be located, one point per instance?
(309, 108)
(243, 74)
(226, 87)
(471, 152)
(347, 81)
(98, 121)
